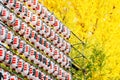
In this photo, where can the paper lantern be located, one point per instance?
(15, 42)
(2, 54)
(21, 47)
(20, 66)
(17, 25)
(9, 38)
(8, 58)
(27, 49)
(3, 33)
(6, 75)
(18, 8)
(25, 70)
(14, 62)
(22, 28)
(11, 19)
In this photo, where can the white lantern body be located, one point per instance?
(11, 19)
(27, 50)
(3, 33)
(25, 69)
(14, 62)
(15, 43)
(17, 25)
(20, 66)
(22, 28)
(9, 38)
(21, 47)
(2, 54)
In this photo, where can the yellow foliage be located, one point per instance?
(93, 21)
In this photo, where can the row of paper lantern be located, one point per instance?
(45, 14)
(11, 19)
(32, 36)
(15, 41)
(27, 50)
(24, 68)
(35, 56)
(33, 18)
(20, 66)
(7, 76)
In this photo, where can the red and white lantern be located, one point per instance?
(68, 48)
(42, 29)
(27, 32)
(22, 28)
(38, 25)
(60, 42)
(56, 68)
(51, 19)
(34, 4)
(64, 31)
(39, 9)
(17, 25)
(15, 43)
(42, 14)
(59, 76)
(14, 63)
(47, 14)
(55, 39)
(18, 8)
(52, 35)
(40, 60)
(25, 70)
(56, 25)
(51, 68)
(56, 54)
(37, 74)
(32, 37)
(42, 47)
(5, 14)
(29, 16)
(47, 49)
(24, 11)
(32, 54)
(8, 58)
(3, 33)
(36, 61)
(2, 54)
(11, 19)
(21, 47)
(6, 75)
(20, 66)
(31, 73)
(44, 61)
(60, 57)
(63, 46)
(11, 4)
(34, 20)
(64, 60)
(47, 31)
(46, 64)
(51, 53)
(37, 44)
(27, 49)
